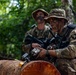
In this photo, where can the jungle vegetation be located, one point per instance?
(16, 19)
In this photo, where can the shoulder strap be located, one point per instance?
(66, 34)
(71, 26)
(67, 29)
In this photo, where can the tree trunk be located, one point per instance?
(39, 68)
(13, 67)
(66, 6)
(9, 67)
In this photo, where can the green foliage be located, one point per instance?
(16, 19)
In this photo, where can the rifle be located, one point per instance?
(58, 41)
(42, 41)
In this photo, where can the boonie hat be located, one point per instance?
(42, 10)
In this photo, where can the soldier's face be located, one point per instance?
(40, 17)
(57, 24)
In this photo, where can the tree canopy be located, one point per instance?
(16, 19)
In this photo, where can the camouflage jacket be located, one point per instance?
(66, 61)
(35, 32)
(70, 50)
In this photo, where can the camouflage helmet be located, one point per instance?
(35, 12)
(57, 13)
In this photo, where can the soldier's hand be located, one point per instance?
(34, 45)
(42, 53)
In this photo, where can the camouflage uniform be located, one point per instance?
(67, 62)
(35, 32)
(66, 56)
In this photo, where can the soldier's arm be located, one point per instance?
(26, 47)
(70, 50)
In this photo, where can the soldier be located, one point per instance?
(39, 31)
(66, 62)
